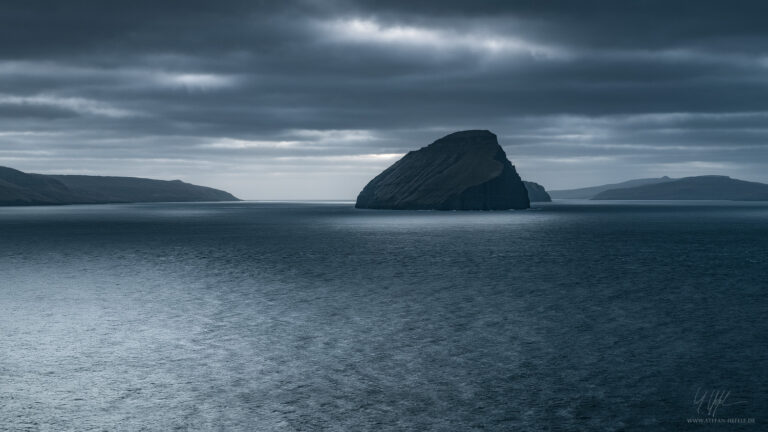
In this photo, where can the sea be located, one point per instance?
(316, 316)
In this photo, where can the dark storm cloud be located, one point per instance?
(255, 96)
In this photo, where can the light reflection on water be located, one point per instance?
(306, 316)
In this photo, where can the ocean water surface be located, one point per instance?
(316, 316)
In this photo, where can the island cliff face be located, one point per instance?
(465, 170)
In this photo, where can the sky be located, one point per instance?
(311, 99)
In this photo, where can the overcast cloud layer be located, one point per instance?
(309, 100)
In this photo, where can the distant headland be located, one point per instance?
(590, 192)
(18, 188)
(707, 187)
(710, 187)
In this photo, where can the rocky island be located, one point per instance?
(536, 192)
(20, 188)
(465, 170)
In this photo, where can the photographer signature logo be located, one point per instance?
(708, 402)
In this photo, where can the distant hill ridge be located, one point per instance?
(20, 188)
(710, 187)
(590, 192)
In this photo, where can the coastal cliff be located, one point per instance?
(536, 192)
